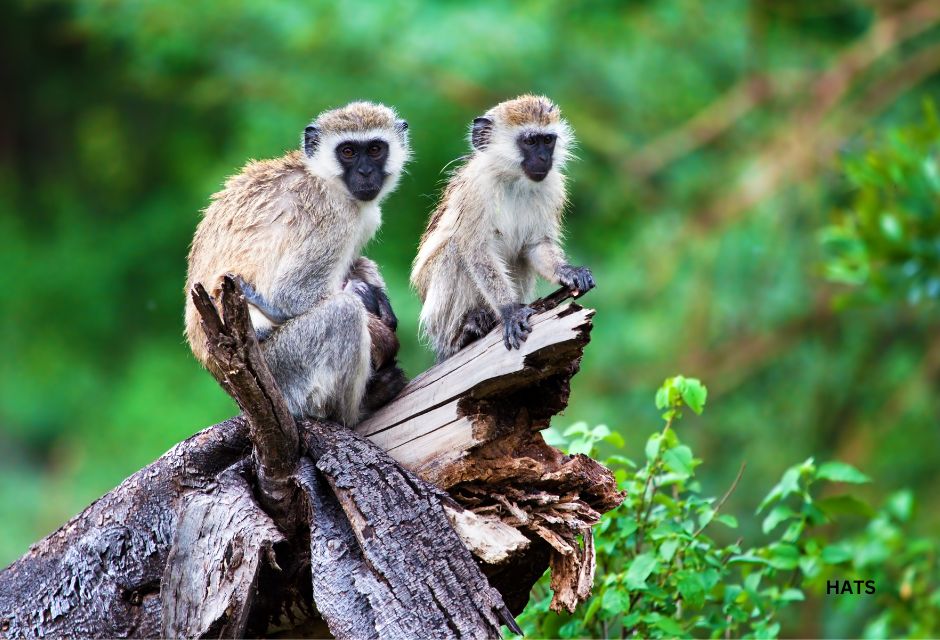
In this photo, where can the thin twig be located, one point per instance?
(721, 503)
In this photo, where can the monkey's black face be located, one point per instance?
(537, 150)
(363, 166)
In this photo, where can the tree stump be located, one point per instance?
(263, 526)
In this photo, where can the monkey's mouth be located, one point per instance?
(536, 169)
(536, 175)
(366, 193)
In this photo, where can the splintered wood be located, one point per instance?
(471, 426)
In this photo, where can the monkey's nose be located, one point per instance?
(364, 170)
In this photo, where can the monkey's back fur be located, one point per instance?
(277, 226)
(254, 225)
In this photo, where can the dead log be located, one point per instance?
(469, 425)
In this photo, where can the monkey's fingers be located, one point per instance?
(583, 280)
(509, 339)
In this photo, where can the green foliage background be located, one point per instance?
(120, 119)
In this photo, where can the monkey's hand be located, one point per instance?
(375, 300)
(265, 317)
(579, 280)
(258, 301)
(516, 326)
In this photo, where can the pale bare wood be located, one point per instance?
(425, 425)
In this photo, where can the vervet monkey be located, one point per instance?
(497, 225)
(292, 229)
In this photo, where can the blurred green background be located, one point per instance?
(713, 137)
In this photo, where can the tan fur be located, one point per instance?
(358, 116)
(384, 343)
(494, 230)
(252, 226)
(527, 109)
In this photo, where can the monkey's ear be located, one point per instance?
(311, 139)
(401, 125)
(481, 132)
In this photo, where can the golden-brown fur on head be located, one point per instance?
(526, 109)
(357, 117)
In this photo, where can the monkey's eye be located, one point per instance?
(531, 140)
(375, 150)
(549, 139)
(347, 151)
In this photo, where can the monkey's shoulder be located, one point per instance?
(268, 191)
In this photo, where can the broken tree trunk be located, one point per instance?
(215, 538)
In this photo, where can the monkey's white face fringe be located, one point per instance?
(504, 156)
(326, 166)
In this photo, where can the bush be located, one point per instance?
(660, 574)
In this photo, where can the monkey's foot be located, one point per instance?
(476, 324)
(383, 386)
(516, 326)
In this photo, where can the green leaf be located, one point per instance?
(553, 437)
(621, 460)
(728, 520)
(671, 628)
(810, 566)
(652, 446)
(679, 460)
(901, 505)
(844, 505)
(600, 432)
(615, 439)
(784, 556)
(694, 394)
(748, 558)
(592, 608)
(841, 472)
(691, 587)
(662, 396)
(580, 445)
(705, 518)
(792, 595)
(575, 429)
(890, 227)
(627, 526)
(837, 553)
(640, 569)
(668, 549)
(752, 582)
(777, 515)
(789, 483)
(615, 601)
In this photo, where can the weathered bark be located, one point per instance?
(414, 571)
(469, 425)
(211, 575)
(242, 371)
(99, 575)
